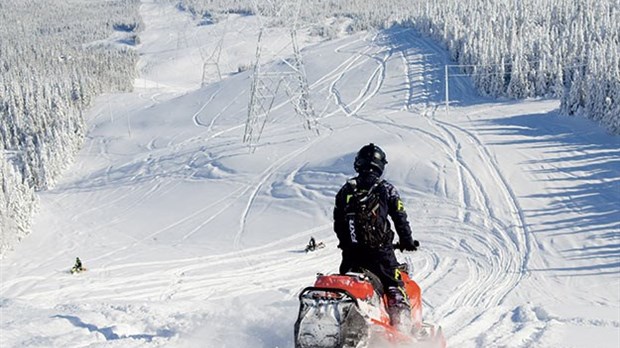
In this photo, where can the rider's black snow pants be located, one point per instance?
(381, 262)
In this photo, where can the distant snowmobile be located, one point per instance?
(78, 267)
(348, 311)
(313, 245)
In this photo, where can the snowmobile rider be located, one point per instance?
(312, 243)
(364, 232)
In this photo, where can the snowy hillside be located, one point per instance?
(191, 240)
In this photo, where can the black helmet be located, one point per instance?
(370, 158)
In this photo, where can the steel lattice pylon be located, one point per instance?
(267, 85)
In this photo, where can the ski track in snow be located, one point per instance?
(260, 183)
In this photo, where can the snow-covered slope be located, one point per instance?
(191, 240)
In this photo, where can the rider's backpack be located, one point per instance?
(366, 215)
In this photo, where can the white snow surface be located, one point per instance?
(191, 240)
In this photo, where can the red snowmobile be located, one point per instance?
(347, 311)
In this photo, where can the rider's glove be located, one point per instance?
(409, 244)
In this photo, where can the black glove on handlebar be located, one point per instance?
(409, 244)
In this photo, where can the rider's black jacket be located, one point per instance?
(390, 202)
(380, 260)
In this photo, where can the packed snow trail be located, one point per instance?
(191, 240)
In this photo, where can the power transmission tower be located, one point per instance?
(213, 59)
(268, 83)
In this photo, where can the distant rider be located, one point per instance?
(366, 241)
(312, 244)
(77, 268)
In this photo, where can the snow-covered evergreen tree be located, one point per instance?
(17, 202)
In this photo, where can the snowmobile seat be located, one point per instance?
(371, 277)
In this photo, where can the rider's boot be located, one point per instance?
(399, 309)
